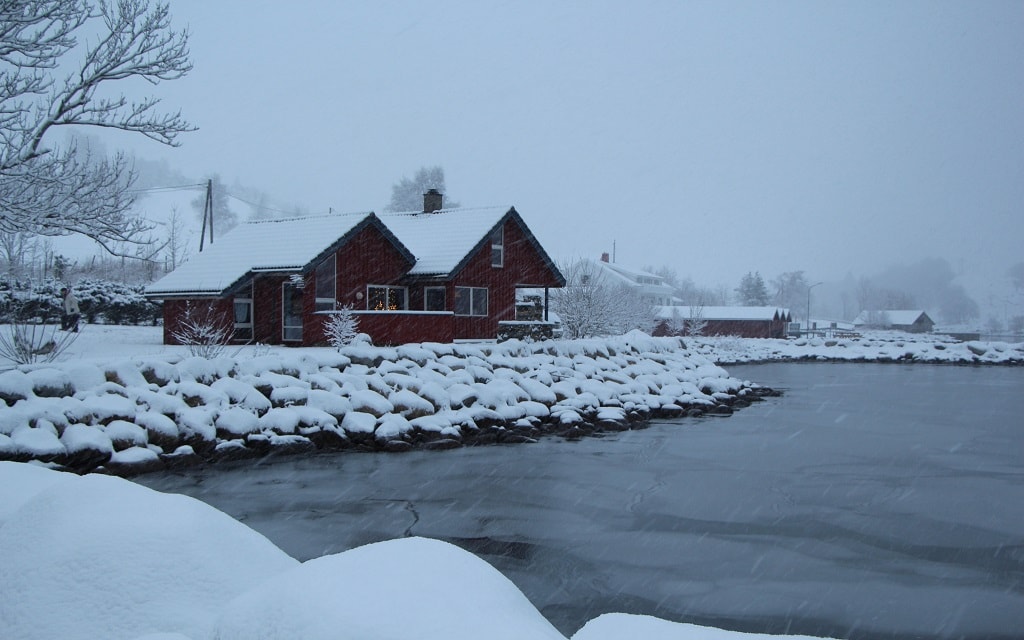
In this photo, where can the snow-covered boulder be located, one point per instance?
(100, 557)
(87, 446)
(625, 626)
(406, 588)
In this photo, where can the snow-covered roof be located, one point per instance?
(890, 317)
(277, 245)
(723, 313)
(633, 274)
(439, 242)
(442, 239)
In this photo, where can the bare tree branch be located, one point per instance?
(59, 191)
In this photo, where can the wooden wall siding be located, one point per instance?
(174, 312)
(523, 265)
(394, 328)
(367, 258)
(266, 308)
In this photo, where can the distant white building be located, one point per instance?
(651, 287)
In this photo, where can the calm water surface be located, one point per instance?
(870, 501)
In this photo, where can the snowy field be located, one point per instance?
(97, 556)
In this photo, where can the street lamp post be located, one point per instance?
(808, 319)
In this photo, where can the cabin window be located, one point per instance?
(433, 299)
(243, 319)
(498, 247)
(470, 301)
(291, 312)
(325, 291)
(384, 298)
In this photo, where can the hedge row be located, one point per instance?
(100, 301)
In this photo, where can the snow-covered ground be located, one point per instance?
(85, 557)
(871, 346)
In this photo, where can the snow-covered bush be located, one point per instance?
(202, 330)
(24, 341)
(341, 327)
(99, 300)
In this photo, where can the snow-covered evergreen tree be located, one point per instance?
(752, 290)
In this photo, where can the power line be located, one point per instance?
(260, 206)
(183, 187)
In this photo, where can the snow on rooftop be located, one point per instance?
(722, 313)
(440, 240)
(286, 244)
(889, 317)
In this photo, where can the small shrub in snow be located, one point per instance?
(341, 327)
(23, 342)
(203, 331)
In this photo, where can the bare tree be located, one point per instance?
(790, 289)
(176, 249)
(591, 305)
(14, 246)
(407, 194)
(53, 191)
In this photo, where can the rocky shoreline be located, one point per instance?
(141, 416)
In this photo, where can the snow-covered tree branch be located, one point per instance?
(591, 304)
(51, 190)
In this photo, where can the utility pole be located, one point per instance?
(809, 304)
(207, 213)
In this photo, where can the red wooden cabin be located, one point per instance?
(437, 275)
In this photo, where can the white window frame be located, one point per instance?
(387, 288)
(242, 326)
(426, 296)
(473, 293)
(325, 303)
(498, 247)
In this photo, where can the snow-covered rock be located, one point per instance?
(100, 557)
(465, 393)
(406, 588)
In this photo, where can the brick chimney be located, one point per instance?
(432, 201)
(604, 257)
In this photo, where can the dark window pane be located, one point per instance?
(479, 302)
(461, 303)
(325, 279)
(434, 298)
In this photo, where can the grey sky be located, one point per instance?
(713, 137)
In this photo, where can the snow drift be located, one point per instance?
(84, 557)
